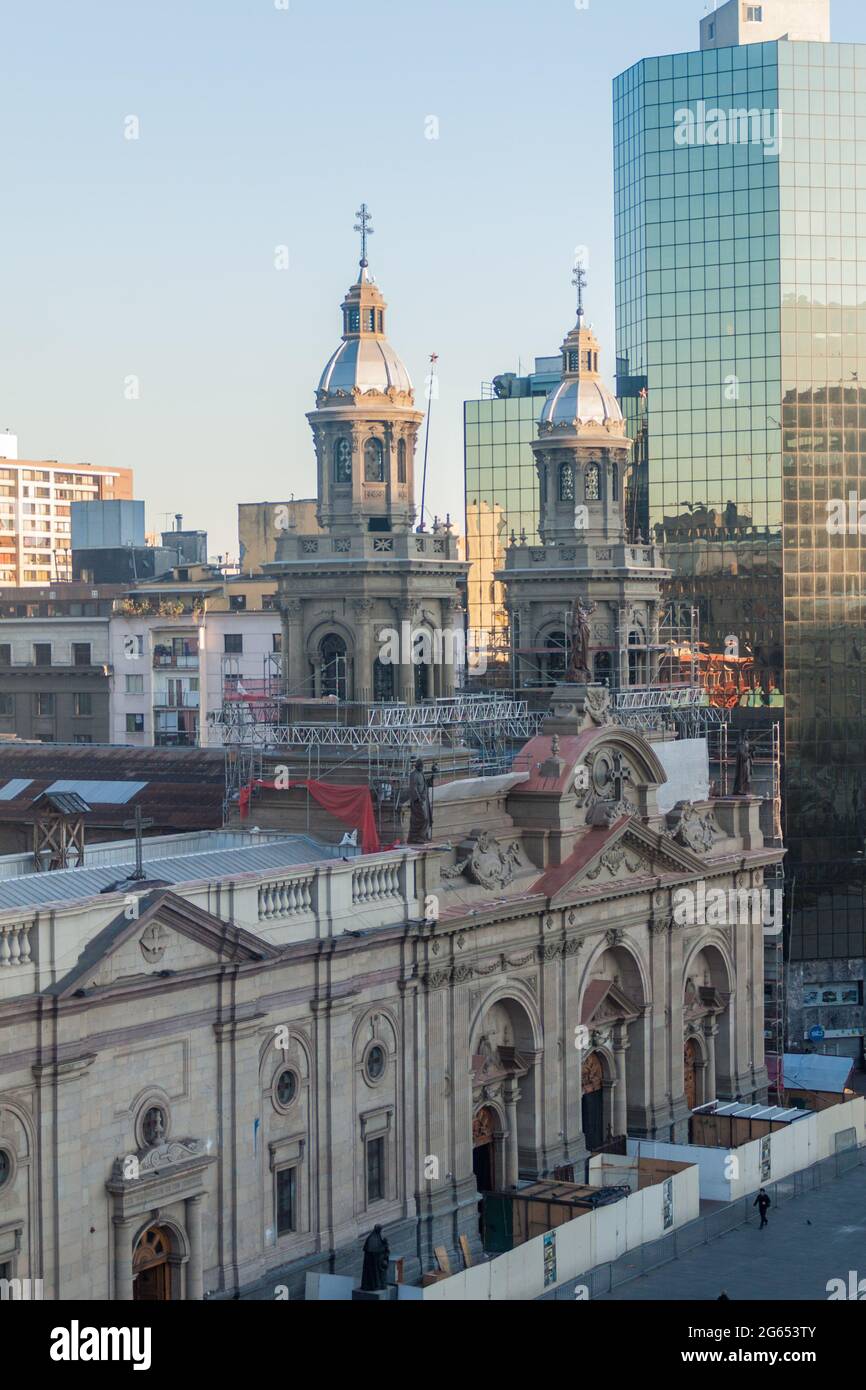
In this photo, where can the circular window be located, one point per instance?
(286, 1088)
(376, 1063)
(5, 1167)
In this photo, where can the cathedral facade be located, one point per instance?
(213, 1087)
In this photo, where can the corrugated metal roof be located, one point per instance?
(815, 1071)
(14, 788)
(68, 885)
(66, 803)
(99, 793)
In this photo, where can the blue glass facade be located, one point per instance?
(740, 185)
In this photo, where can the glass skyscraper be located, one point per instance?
(740, 187)
(501, 490)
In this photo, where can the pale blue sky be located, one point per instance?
(260, 127)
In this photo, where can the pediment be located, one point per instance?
(605, 1002)
(165, 935)
(628, 850)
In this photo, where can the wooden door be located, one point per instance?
(592, 1104)
(151, 1269)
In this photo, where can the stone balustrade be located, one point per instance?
(284, 905)
(15, 944)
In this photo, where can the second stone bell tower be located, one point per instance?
(585, 603)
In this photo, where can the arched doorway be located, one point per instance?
(483, 1149)
(592, 1102)
(151, 1267)
(691, 1061)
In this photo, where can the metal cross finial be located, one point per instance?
(578, 279)
(139, 825)
(363, 226)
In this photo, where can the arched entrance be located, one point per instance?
(691, 1062)
(484, 1126)
(151, 1267)
(592, 1102)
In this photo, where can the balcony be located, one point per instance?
(163, 700)
(172, 661)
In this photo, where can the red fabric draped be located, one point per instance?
(351, 805)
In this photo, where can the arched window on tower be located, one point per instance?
(401, 461)
(333, 666)
(591, 483)
(601, 667)
(614, 483)
(374, 461)
(342, 460)
(554, 659)
(383, 680)
(637, 672)
(566, 482)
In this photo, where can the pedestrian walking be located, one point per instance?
(762, 1202)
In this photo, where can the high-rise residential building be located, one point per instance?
(740, 188)
(35, 512)
(501, 490)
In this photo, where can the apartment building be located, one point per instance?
(36, 500)
(179, 646)
(54, 663)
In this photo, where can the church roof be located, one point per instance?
(365, 360)
(370, 364)
(585, 400)
(72, 885)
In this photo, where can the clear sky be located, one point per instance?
(264, 124)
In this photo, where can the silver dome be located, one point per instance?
(371, 364)
(583, 399)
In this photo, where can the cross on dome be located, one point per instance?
(578, 279)
(363, 226)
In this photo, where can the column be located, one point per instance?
(655, 654)
(622, 654)
(620, 1092)
(366, 649)
(122, 1261)
(284, 654)
(294, 661)
(406, 671)
(511, 1096)
(710, 1031)
(194, 1284)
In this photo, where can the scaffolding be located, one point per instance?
(467, 734)
(765, 741)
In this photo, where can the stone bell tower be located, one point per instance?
(372, 611)
(581, 456)
(365, 425)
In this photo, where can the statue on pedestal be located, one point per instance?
(578, 670)
(743, 770)
(377, 1252)
(420, 804)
